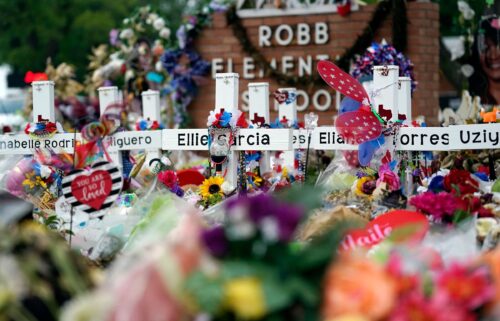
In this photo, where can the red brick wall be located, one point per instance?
(218, 41)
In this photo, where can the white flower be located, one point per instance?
(126, 21)
(158, 23)
(211, 118)
(253, 164)
(165, 33)
(166, 161)
(469, 14)
(227, 188)
(129, 74)
(89, 307)
(270, 230)
(45, 171)
(466, 10)
(126, 33)
(463, 6)
(158, 66)
(467, 70)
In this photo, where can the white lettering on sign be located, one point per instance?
(303, 34)
(245, 139)
(248, 66)
(22, 144)
(135, 140)
(321, 34)
(265, 33)
(284, 34)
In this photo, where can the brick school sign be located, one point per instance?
(295, 41)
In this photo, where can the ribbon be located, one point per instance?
(94, 133)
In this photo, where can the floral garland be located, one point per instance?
(380, 55)
(43, 129)
(384, 8)
(183, 84)
(146, 124)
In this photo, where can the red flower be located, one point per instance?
(460, 182)
(484, 169)
(168, 178)
(466, 287)
(35, 76)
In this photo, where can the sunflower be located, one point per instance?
(211, 187)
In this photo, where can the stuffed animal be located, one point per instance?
(490, 117)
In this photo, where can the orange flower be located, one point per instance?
(492, 260)
(356, 285)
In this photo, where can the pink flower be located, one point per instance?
(467, 287)
(169, 178)
(389, 177)
(416, 307)
(439, 206)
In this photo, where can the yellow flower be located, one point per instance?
(245, 297)
(257, 180)
(211, 186)
(358, 186)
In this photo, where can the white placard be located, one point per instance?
(246, 139)
(132, 140)
(484, 136)
(327, 138)
(22, 144)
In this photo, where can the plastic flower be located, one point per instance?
(356, 285)
(168, 178)
(364, 186)
(469, 287)
(211, 186)
(245, 297)
(460, 182)
(416, 307)
(389, 178)
(439, 206)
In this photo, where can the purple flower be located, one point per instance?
(113, 36)
(215, 241)
(368, 187)
(263, 209)
(288, 217)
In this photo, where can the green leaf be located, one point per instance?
(322, 250)
(208, 292)
(459, 216)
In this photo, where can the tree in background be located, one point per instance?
(65, 30)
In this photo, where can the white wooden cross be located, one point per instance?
(258, 104)
(151, 112)
(288, 112)
(404, 98)
(109, 96)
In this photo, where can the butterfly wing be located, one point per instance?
(341, 81)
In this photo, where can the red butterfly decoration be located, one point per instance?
(355, 127)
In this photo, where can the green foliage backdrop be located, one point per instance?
(65, 30)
